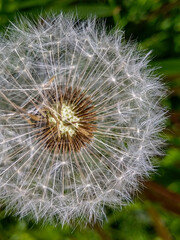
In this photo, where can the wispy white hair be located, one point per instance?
(125, 94)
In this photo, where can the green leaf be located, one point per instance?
(32, 3)
(169, 66)
(87, 10)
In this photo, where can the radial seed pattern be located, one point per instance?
(66, 123)
(79, 120)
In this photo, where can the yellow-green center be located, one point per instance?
(66, 120)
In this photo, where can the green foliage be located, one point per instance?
(156, 24)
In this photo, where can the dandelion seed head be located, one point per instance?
(80, 118)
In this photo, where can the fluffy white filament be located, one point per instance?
(125, 93)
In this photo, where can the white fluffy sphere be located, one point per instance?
(79, 119)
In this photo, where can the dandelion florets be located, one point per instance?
(80, 118)
(66, 120)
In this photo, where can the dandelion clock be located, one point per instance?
(79, 119)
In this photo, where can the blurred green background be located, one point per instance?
(155, 214)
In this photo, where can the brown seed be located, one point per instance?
(68, 120)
